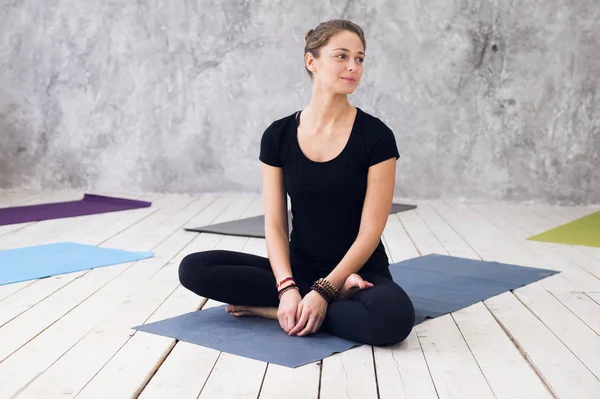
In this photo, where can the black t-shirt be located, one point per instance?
(327, 197)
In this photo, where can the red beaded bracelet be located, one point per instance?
(285, 280)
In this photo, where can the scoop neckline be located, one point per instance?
(297, 125)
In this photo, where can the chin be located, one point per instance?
(345, 90)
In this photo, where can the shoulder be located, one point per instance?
(275, 141)
(379, 139)
(278, 127)
(372, 125)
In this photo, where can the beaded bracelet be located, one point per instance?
(283, 290)
(332, 288)
(323, 292)
(285, 280)
(325, 289)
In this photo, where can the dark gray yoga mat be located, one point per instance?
(437, 284)
(255, 226)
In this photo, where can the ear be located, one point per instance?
(309, 61)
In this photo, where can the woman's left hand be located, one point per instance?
(311, 313)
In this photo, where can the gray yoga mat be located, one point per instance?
(437, 284)
(255, 226)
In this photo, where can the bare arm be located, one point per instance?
(378, 201)
(276, 222)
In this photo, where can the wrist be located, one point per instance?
(287, 290)
(327, 290)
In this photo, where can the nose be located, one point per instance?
(351, 65)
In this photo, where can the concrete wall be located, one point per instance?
(488, 99)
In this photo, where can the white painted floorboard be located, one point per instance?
(71, 336)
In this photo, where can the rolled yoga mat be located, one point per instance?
(583, 231)
(41, 261)
(255, 226)
(436, 284)
(90, 204)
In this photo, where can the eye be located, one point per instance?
(361, 60)
(341, 56)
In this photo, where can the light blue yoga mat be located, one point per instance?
(436, 284)
(28, 263)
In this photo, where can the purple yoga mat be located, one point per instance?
(90, 204)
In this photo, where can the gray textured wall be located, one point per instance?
(489, 99)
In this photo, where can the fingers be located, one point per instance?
(312, 326)
(299, 310)
(301, 323)
(291, 322)
(287, 320)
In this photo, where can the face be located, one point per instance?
(340, 64)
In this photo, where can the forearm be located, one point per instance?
(358, 254)
(278, 250)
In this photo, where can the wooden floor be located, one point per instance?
(71, 336)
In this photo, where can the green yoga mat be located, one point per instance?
(584, 231)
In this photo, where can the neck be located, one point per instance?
(326, 108)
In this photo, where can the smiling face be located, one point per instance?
(339, 65)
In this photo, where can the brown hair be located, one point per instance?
(319, 37)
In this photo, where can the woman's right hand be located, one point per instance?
(288, 305)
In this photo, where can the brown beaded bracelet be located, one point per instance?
(325, 291)
(289, 287)
(321, 291)
(332, 288)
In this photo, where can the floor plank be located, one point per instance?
(492, 351)
(150, 349)
(581, 340)
(71, 335)
(22, 299)
(498, 358)
(566, 376)
(521, 223)
(403, 372)
(583, 306)
(535, 351)
(68, 330)
(349, 374)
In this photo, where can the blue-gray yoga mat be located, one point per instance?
(437, 284)
(41, 261)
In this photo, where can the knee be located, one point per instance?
(392, 320)
(391, 329)
(192, 266)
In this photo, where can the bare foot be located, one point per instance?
(254, 311)
(353, 283)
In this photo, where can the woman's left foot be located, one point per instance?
(253, 311)
(352, 284)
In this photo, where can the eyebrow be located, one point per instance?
(345, 49)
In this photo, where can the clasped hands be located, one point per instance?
(301, 316)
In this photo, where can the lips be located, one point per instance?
(351, 80)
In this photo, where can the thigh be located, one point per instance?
(231, 277)
(223, 257)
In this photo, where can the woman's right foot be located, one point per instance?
(252, 311)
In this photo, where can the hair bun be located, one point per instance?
(310, 31)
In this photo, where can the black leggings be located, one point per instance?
(381, 315)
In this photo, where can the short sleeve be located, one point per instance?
(270, 146)
(383, 147)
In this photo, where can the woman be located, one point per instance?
(337, 163)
